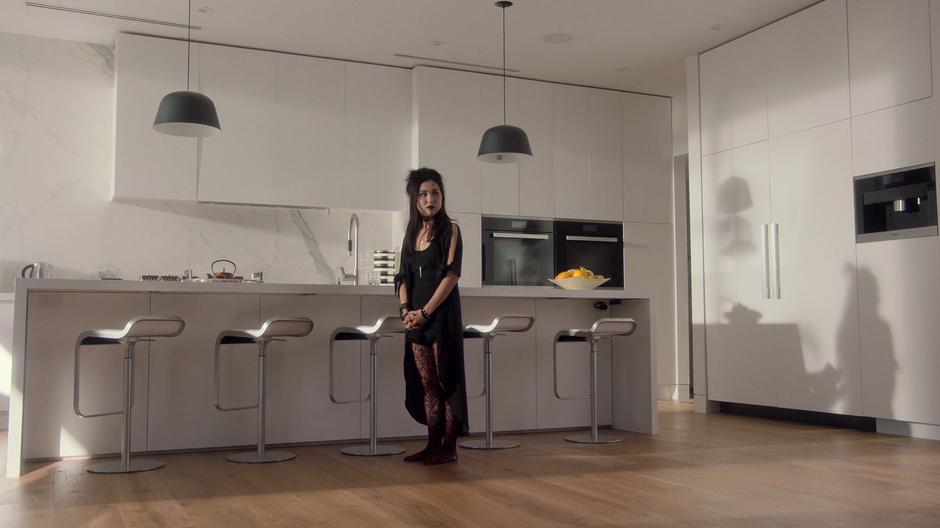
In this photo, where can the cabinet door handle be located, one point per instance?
(777, 255)
(766, 248)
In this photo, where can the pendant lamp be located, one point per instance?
(504, 143)
(187, 114)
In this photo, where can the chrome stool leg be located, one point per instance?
(488, 442)
(126, 465)
(373, 449)
(594, 437)
(261, 456)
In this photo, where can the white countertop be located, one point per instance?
(86, 285)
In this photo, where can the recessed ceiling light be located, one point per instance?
(717, 27)
(437, 43)
(557, 38)
(206, 10)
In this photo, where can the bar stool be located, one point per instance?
(274, 329)
(502, 325)
(606, 328)
(142, 328)
(385, 326)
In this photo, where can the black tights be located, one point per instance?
(443, 423)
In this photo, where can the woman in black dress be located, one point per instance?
(426, 286)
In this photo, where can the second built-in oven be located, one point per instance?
(517, 252)
(597, 246)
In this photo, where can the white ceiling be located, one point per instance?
(648, 38)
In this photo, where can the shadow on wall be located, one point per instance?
(734, 198)
(882, 359)
(756, 360)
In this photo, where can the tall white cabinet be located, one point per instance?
(797, 314)
(739, 310)
(815, 294)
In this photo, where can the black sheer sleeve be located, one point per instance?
(453, 254)
(404, 274)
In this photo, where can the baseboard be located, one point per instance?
(4, 420)
(912, 429)
(861, 423)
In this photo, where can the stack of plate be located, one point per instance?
(383, 266)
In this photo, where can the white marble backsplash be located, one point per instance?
(56, 148)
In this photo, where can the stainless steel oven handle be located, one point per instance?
(576, 238)
(526, 236)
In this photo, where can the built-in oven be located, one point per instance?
(597, 246)
(517, 251)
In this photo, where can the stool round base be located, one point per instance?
(382, 450)
(251, 457)
(481, 444)
(136, 465)
(601, 439)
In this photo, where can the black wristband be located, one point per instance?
(425, 315)
(402, 310)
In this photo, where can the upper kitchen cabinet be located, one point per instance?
(571, 153)
(309, 120)
(147, 164)
(531, 106)
(889, 53)
(447, 109)
(899, 136)
(807, 69)
(378, 135)
(499, 182)
(733, 94)
(605, 166)
(237, 165)
(647, 158)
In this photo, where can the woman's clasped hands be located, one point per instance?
(414, 320)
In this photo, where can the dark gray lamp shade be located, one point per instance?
(187, 114)
(504, 144)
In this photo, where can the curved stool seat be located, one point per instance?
(274, 329)
(385, 326)
(142, 328)
(606, 328)
(502, 325)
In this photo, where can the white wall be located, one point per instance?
(680, 125)
(56, 126)
(6, 356)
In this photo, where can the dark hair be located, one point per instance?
(412, 185)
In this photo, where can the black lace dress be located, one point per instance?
(421, 272)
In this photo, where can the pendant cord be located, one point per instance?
(504, 64)
(189, 40)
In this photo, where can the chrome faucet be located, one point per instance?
(352, 248)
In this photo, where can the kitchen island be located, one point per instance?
(174, 390)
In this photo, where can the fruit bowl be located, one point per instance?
(579, 283)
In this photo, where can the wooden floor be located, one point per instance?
(714, 470)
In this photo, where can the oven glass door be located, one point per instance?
(518, 259)
(602, 255)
